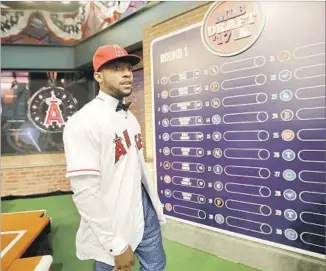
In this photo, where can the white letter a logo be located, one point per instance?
(119, 51)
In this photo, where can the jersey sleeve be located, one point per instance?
(82, 151)
(91, 208)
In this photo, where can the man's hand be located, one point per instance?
(125, 261)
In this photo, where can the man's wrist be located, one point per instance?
(117, 246)
(125, 249)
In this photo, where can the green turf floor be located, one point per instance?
(64, 226)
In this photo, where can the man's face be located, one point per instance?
(116, 78)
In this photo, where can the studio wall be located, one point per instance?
(35, 106)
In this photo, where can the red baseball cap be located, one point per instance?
(108, 53)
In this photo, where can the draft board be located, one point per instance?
(239, 141)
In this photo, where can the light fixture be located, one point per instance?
(65, 2)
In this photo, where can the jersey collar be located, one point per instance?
(113, 102)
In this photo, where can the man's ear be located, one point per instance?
(98, 77)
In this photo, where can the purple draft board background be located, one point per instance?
(279, 197)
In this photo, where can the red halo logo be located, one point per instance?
(229, 28)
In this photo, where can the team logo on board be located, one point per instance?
(229, 28)
(50, 107)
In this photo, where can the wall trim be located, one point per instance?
(34, 165)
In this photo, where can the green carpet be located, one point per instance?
(66, 221)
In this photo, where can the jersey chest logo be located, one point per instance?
(122, 144)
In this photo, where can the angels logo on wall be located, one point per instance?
(51, 106)
(35, 108)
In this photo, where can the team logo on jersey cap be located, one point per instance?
(229, 28)
(119, 51)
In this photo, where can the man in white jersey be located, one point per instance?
(119, 206)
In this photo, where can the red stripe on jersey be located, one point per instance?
(100, 98)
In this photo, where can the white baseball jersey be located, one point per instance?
(106, 166)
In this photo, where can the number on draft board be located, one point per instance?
(274, 96)
(278, 193)
(278, 212)
(276, 135)
(272, 58)
(276, 155)
(222, 37)
(277, 174)
(279, 232)
(273, 77)
(275, 116)
(209, 168)
(186, 51)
